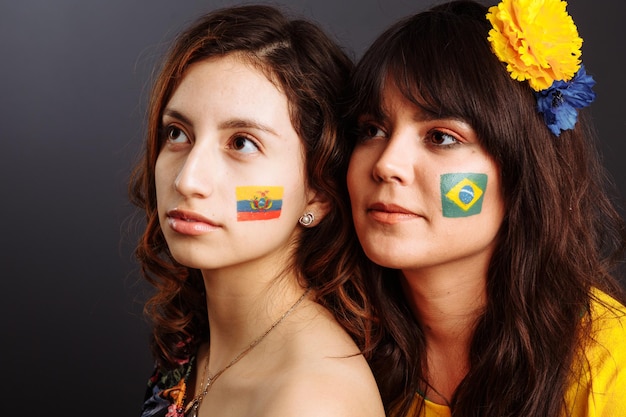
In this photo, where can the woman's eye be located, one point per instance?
(371, 131)
(244, 144)
(175, 135)
(442, 139)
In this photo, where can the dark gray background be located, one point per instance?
(74, 79)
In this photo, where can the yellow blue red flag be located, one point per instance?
(258, 202)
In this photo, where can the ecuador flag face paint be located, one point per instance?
(462, 194)
(258, 202)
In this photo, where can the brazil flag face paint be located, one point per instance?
(462, 194)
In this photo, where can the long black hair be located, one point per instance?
(561, 235)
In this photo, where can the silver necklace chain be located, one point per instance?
(194, 405)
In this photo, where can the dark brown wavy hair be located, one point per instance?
(561, 235)
(312, 71)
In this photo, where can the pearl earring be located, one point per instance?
(306, 219)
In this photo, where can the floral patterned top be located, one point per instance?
(166, 391)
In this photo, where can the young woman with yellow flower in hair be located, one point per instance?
(477, 190)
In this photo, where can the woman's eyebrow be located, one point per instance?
(176, 115)
(247, 124)
(228, 124)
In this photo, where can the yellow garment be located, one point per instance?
(601, 390)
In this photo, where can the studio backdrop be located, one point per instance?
(74, 81)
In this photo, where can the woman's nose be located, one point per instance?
(197, 174)
(396, 162)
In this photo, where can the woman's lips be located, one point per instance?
(190, 223)
(390, 213)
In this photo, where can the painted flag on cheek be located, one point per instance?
(257, 202)
(462, 194)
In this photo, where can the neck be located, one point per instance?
(446, 301)
(241, 307)
(218, 356)
(447, 308)
(446, 312)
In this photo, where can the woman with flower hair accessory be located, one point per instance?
(478, 193)
(258, 310)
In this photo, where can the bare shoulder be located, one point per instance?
(341, 387)
(322, 375)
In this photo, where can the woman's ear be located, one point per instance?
(316, 209)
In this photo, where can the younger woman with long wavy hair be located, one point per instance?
(257, 309)
(476, 185)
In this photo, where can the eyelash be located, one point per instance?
(245, 137)
(434, 137)
(368, 131)
(168, 130)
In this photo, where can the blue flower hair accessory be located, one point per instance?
(559, 102)
(539, 42)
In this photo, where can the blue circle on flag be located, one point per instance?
(466, 195)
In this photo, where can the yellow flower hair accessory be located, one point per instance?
(539, 42)
(537, 39)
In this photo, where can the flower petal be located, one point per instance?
(537, 39)
(560, 102)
